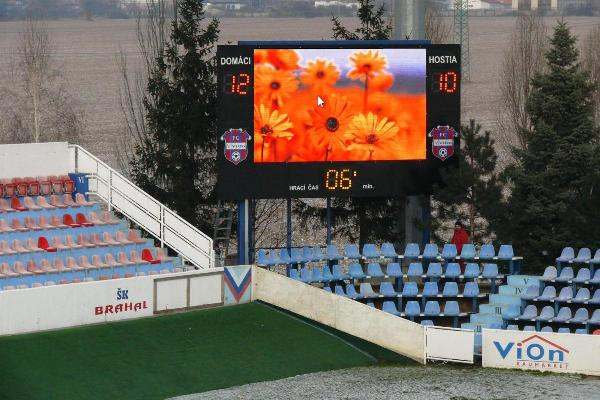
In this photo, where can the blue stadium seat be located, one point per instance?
(596, 279)
(595, 298)
(356, 272)
(393, 269)
(410, 289)
(546, 314)
(307, 254)
(451, 309)
(449, 251)
(431, 251)
(262, 259)
(471, 289)
(530, 293)
(583, 295)
(427, 322)
(327, 275)
(512, 327)
(468, 252)
(529, 328)
(487, 252)
(581, 331)
(352, 293)
(550, 274)
(581, 316)
(297, 256)
(366, 291)
(338, 274)
(583, 256)
(412, 251)
(412, 309)
(371, 304)
(327, 289)
(563, 330)
(317, 275)
(386, 289)
(452, 271)
(339, 290)
(370, 251)
(374, 270)
(566, 255)
(450, 289)
(284, 257)
(434, 270)
(564, 314)
(430, 289)
(305, 275)
(549, 294)
(490, 271)
(506, 252)
(389, 251)
(432, 308)
(566, 274)
(529, 313)
(547, 329)
(596, 259)
(390, 307)
(471, 271)
(595, 319)
(333, 253)
(415, 270)
(566, 294)
(351, 252)
(583, 275)
(294, 274)
(318, 254)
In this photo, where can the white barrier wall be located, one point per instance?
(197, 289)
(397, 334)
(34, 159)
(438, 338)
(552, 352)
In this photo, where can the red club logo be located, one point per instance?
(236, 145)
(442, 144)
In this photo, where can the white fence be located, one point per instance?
(137, 205)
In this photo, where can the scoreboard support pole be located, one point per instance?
(243, 232)
(289, 224)
(328, 221)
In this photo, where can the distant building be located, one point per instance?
(558, 5)
(234, 5)
(490, 4)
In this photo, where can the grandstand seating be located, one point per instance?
(50, 234)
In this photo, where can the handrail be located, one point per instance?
(187, 245)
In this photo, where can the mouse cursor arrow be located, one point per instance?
(320, 102)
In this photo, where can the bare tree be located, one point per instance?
(591, 62)
(35, 102)
(523, 59)
(437, 29)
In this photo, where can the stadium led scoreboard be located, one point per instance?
(335, 119)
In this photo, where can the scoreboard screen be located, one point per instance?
(318, 119)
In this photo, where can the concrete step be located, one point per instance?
(523, 280)
(478, 327)
(486, 319)
(504, 299)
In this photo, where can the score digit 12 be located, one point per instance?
(445, 82)
(237, 84)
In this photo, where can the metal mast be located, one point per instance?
(461, 34)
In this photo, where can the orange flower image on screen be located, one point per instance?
(339, 105)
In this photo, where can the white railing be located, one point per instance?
(147, 212)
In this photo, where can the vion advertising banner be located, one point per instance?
(552, 352)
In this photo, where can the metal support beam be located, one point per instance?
(409, 19)
(328, 221)
(243, 235)
(289, 224)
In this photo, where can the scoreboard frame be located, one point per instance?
(239, 177)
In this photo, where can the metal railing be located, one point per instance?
(147, 212)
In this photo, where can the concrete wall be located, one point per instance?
(34, 159)
(397, 334)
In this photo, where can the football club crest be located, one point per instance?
(442, 144)
(236, 145)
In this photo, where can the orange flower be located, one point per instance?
(372, 137)
(284, 59)
(328, 126)
(273, 87)
(383, 105)
(381, 82)
(260, 56)
(366, 64)
(269, 126)
(320, 73)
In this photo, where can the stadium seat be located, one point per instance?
(351, 252)
(596, 279)
(549, 294)
(529, 328)
(147, 256)
(388, 251)
(547, 329)
(366, 291)
(583, 256)
(415, 270)
(370, 251)
(564, 314)
(506, 252)
(487, 252)
(512, 327)
(595, 298)
(566, 255)
(452, 271)
(581, 331)
(546, 314)
(566, 294)
(351, 292)
(333, 253)
(581, 316)
(563, 330)
(490, 271)
(297, 256)
(530, 313)
(434, 270)
(356, 272)
(430, 289)
(596, 259)
(390, 307)
(471, 271)
(427, 322)
(530, 293)
(583, 275)
(318, 254)
(449, 251)
(471, 289)
(412, 309)
(412, 251)
(451, 309)
(374, 270)
(450, 289)
(468, 252)
(283, 258)
(582, 296)
(410, 289)
(432, 308)
(339, 290)
(338, 274)
(550, 273)
(393, 270)
(307, 254)
(431, 252)
(566, 274)
(386, 289)
(305, 275)
(595, 319)
(327, 275)
(317, 275)
(44, 245)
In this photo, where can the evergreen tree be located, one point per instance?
(373, 24)
(176, 163)
(472, 192)
(555, 180)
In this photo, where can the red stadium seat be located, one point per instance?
(1, 189)
(57, 185)
(147, 256)
(597, 332)
(82, 220)
(68, 184)
(15, 204)
(34, 186)
(45, 186)
(44, 245)
(10, 189)
(22, 187)
(68, 220)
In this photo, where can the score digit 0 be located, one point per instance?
(341, 179)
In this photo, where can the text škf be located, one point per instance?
(122, 294)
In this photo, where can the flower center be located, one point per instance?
(367, 67)
(320, 74)
(332, 124)
(372, 138)
(275, 85)
(266, 130)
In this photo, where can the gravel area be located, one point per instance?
(416, 383)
